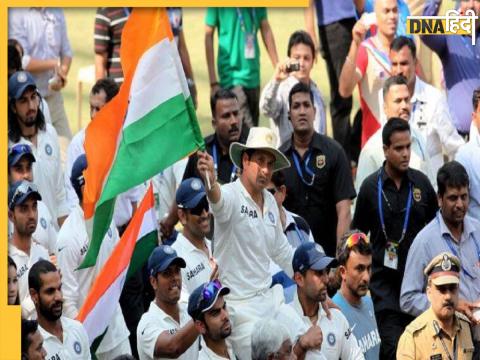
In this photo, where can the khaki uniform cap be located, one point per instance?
(443, 269)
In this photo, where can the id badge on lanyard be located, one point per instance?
(390, 258)
(249, 46)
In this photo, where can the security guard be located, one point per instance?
(440, 332)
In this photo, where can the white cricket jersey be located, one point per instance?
(207, 354)
(154, 322)
(45, 234)
(247, 238)
(24, 262)
(75, 343)
(47, 170)
(198, 268)
(72, 245)
(338, 339)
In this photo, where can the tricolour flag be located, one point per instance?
(148, 126)
(131, 252)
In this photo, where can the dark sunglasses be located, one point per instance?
(201, 206)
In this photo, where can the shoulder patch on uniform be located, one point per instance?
(416, 325)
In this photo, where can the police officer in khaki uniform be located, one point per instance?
(440, 332)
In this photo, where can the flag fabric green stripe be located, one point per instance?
(142, 251)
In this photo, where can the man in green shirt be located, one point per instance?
(238, 62)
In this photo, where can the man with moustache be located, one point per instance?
(451, 230)
(26, 124)
(319, 182)
(248, 232)
(396, 104)
(394, 203)
(63, 338)
(316, 336)
(355, 269)
(208, 309)
(192, 244)
(166, 331)
(430, 114)
(227, 126)
(22, 212)
(440, 332)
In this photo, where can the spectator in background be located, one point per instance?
(22, 212)
(238, 61)
(367, 63)
(467, 155)
(403, 13)
(13, 297)
(335, 24)
(460, 60)
(393, 205)
(274, 98)
(26, 124)
(319, 182)
(42, 33)
(355, 269)
(32, 341)
(430, 112)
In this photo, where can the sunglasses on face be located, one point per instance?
(201, 206)
(23, 189)
(355, 239)
(209, 291)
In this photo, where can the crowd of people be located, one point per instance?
(276, 242)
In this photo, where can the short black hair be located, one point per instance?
(29, 327)
(391, 81)
(362, 247)
(108, 85)
(278, 178)
(299, 88)
(451, 174)
(39, 268)
(301, 37)
(14, 56)
(393, 125)
(220, 94)
(476, 98)
(401, 41)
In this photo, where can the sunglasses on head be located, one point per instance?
(355, 239)
(201, 206)
(19, 149)
(23, 189)
(209, 291)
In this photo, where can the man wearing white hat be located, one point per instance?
(248, 233)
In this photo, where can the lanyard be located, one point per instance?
(215, 163)
(242, 20)
(454, 251)
(380, 208)
(308, 170)
(437, 329)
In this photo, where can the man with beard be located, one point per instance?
(26, 124)
(227, 126)
(192, 245)
(394, 204)
(396, 104)
(451, 230)
(440, 332)
(23, 213)
(355, 268)
(317, 337)
(208, 309)
(63, 338)
(166, 331)
(319, 184)
(248, 232)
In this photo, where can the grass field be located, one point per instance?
(80, 23)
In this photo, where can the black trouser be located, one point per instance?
(391, 325)
(335, 40)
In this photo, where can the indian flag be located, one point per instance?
(131, 252)
(148, 126)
